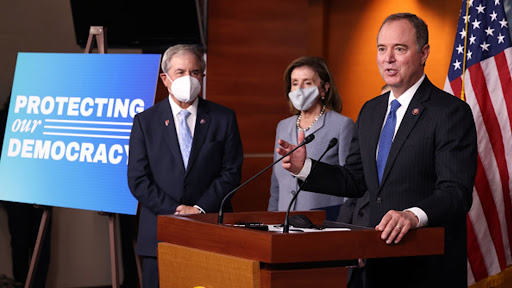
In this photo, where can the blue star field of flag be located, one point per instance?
(487, 35)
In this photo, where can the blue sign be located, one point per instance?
(68, 128)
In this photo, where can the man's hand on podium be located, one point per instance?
(395, 224)
(184, 209)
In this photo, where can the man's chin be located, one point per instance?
(392, 81)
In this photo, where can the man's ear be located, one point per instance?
(164, 79)
(425, 51)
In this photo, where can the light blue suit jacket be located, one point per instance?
(284, 185)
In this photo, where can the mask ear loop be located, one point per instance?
(169, 77)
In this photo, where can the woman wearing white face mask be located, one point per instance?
(315, 105)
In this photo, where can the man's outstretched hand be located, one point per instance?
(295, 161)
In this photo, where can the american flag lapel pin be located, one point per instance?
(166, 122)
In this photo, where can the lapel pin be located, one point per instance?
(166, 122)
(415, 111)
(202, 121)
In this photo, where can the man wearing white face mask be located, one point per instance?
(316, 105)
(185, 153)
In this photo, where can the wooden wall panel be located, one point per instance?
(250, 44)
(254, 196)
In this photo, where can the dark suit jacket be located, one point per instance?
(355, 211)
(156, 174)
(431, 165)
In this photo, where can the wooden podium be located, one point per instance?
(195, 251)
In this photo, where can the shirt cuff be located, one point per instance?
(422, 216)
(200, 209)
(306, 169)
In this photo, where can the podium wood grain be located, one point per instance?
(188, 267)
(315, 256)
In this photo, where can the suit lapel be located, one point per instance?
(166, 119)
(411, 116)
(317, 125)
(377, 116)
(293, 131)
(203, 122)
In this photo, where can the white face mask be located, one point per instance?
(185, 89)
(303, 98)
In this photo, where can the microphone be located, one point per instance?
(220, 218)
(286, 224)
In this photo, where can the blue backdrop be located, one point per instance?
(68, 128)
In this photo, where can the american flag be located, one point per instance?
(483, 38)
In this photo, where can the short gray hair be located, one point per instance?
(173, 50)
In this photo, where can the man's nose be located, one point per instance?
(389, 56)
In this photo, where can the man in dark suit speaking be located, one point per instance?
(185, 153)
(414, 150)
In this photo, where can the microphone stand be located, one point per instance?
(286, 224)
(220, 218)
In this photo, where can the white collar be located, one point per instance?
(406, 97)
(176, 108)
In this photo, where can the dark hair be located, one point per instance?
(416, 22)
(332, 97)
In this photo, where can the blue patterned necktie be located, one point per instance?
(386, 138)
(185, 137)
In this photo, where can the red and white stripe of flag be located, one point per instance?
(488, 91)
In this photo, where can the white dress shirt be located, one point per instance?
(191, 122)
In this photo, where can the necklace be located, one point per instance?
(306, 129)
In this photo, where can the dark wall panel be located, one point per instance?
(250, 44)
(249, 47)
